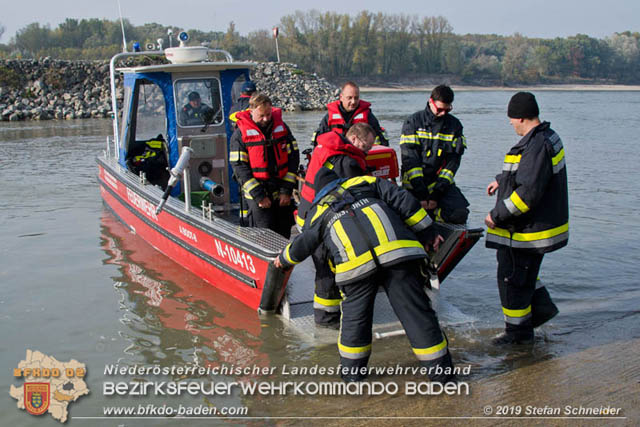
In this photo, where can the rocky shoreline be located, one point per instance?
(48, 89)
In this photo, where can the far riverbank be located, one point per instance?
(572, 87)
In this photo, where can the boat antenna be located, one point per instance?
(124, 38)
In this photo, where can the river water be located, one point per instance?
(78, 285)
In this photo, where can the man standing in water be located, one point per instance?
(531, 218)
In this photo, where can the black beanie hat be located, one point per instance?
(523, 105)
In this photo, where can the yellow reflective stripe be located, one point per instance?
(558, 157)
(441, 136)
(439, 215)
(416, 217)
(414, 173)
(517, 201)
(529, 237)
(358, 180)
(344, 239)
(319, 211)
(287, 256)
(250, 185)
(233, 117)
(355, 262)
(381, 234)
(154, 144)
(299, 221)
(290, 177)
(446, 174)
(328, 165)
(354, 350)
(333, 270)
(238, 156)
(430, 350)
(430, 186)
(294, 144)
(326, 302)
(408, 139)
(516, 313)
(439, 152)
(509, 158)
(146, 155)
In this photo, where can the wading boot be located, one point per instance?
(542, 307)
(512, 338)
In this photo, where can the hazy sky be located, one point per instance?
(535, 18)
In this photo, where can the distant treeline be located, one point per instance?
(373, 45)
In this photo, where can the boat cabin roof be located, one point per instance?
(188, 67)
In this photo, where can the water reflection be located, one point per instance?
(171, 316)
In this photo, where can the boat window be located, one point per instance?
(198, 101)
(150, 117)
(236, 88)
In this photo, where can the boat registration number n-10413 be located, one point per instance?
(235, 256)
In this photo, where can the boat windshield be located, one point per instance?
(198, 102)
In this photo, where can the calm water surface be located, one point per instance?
(77, 284)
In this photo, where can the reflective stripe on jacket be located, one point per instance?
(365, 223)
(532, 207)
(431, 149)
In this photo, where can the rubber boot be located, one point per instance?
(542, 307)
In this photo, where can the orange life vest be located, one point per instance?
(329, 144)
(258, 144)
(336, 121)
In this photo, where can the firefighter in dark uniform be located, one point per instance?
(348, 110)
(345, 156)
(242, 103)
(531, 218)
(375, 233)
(192, 114)
(264, 157)
(431, 146)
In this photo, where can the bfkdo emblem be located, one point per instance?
(36, 397)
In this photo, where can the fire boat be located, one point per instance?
(184, 201)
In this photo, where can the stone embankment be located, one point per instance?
(48, 89)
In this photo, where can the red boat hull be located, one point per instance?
(236, 270)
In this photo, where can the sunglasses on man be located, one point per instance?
(440, 109)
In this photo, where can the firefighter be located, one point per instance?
(375, 234)
(431, 147)
(192, 113)
(346, 111)
(242, 103)
(345, 156)
(531, 218)
(264, 157)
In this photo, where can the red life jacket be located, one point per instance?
(257, 144)
(329, 144)
(336, 121)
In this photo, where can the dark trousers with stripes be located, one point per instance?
(277, 218)
(452, 207)
(404, 286)
(517, 276)
(327, 312)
